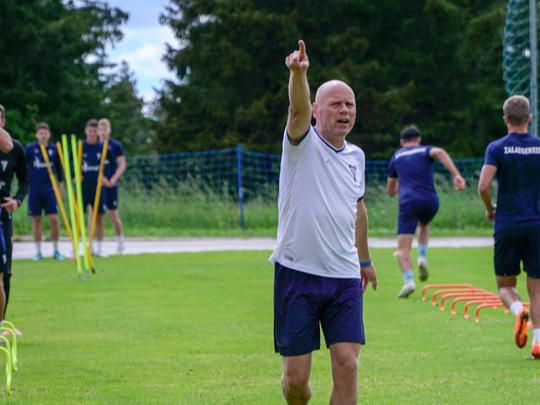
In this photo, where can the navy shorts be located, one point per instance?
(89, 196)
(513, 246)
(304, 301)
(411, 213)
(42, 199)
(111, 197)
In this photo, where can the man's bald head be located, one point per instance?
(330, 87)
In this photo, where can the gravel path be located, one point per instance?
(26, 250)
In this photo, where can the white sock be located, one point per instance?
(99, 245)
(516, 307)
(55, 245)
(536, 335)
(38, 247)
(120, 239)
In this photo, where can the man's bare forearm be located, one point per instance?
(447, 162)
(299, 104)
(361, 233)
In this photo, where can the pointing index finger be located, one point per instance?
(302, 48)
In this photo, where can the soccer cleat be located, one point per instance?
(520, 329)
(407, 289)
(535, 354)
(57, 255)
(38, 257)
(423, 273)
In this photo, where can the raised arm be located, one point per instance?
(299, 118)
(367, 271)
(484, 189)
(6, 144)
(442, 156)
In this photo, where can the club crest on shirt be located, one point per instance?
(353, 170)
(4, 165)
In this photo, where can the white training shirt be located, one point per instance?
(319, 188)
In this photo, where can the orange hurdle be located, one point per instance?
(450, 291)
(472, 295)
(432, 286)
(492, 301)
(480, 307)
(468, 298)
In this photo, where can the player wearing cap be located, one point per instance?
(411, 174)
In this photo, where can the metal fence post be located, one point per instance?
(239, 168)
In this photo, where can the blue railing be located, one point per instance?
(240, 173)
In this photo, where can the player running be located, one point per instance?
(91, 159)
(322, 261)
(411, 172)
(113, 172)
(41, 196)
(12, 162)
(514, 161)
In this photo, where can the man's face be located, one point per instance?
(336, 111)
(104, 130)
(91, 134)
(43, 136)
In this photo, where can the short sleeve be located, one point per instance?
(491, 157)
(362, 188)
(392, 168)
(291, 151)
(119, 150)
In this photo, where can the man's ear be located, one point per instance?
(314, 110)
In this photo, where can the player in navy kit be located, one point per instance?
(113, 173)
(91, 159)
(41, 196)
(514, 161)
(12, 162)
(411, 172)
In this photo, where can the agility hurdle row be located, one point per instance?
(9, 349)
(471, 296)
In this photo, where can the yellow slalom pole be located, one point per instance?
(57, 192)
(98, 190)
(79, 200)
(77, 213)
(71, 204)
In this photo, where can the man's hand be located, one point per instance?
(298, 61)
(459, 183)
(10, 204)
(369, 275)
(107, 183)
(490, 213)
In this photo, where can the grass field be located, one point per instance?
(197, 329)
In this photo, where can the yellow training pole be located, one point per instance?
(98, 190)
(71, 204)
(61, 156)
(77, 176)
(56, 192)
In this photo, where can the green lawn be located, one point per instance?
(197, 329)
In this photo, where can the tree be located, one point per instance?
(125, 110)
(52, 53)
(433, 62)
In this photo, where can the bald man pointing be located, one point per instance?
(322, 262)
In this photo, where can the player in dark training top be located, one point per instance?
(411, 174)
(91, 159)
(110, 181)
(11, 163)
(41, 196)
(514, 161)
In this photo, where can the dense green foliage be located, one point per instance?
(53, 58)
(197, 329)
(433, 62)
